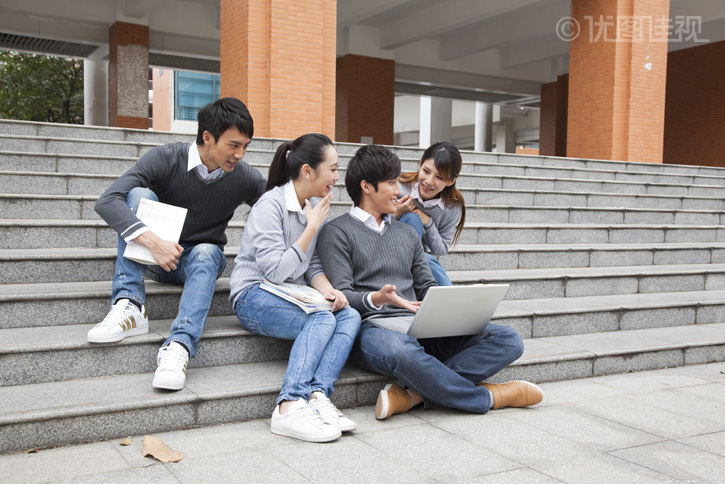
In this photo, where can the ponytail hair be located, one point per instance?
(291, 156)
(448, 162)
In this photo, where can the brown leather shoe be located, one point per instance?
(391, 400)
(514, 394)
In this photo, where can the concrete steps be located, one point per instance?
(39, 233)
(83, 409)
(52, 183)
(21, 266)
(59, 353)
(63, 303)
(80, 207)
(612, 267)
(57, 413)
(54, 159)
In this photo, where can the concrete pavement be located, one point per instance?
(654, 426)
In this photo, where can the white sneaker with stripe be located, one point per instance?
(124, 319)
(171, 372)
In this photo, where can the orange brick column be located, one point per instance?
(365, 99)
(128, 76)
(617, 79)
(278, 56)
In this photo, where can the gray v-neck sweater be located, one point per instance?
(358, 260)
(210, 203)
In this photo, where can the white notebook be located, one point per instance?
(307, 298)
(162, 219)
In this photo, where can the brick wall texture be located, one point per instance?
(695, 106)
(365, 99)
(278, 56)
(128, 75)
(616, 103)
(554, 105)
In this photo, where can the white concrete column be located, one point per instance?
(435, 120)
(483, 130)
(95, 92)
(425, 125)
(506, 137)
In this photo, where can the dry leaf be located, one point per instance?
(126, 441)
(31, 451)
(156, 448)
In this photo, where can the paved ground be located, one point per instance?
(657, 426)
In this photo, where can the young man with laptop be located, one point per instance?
(380, 266)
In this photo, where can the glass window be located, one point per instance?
(193, 92)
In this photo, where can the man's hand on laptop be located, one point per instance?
(387, 295)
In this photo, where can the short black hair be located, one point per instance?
(372, 163)
(222, 114)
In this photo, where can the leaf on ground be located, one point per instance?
(34, 450)
(126, 441)
(156, 448)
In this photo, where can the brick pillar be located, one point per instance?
(365, 99)
(278, 56)
(554, 105)
(128, 76)
(616, 81)
(695, 110)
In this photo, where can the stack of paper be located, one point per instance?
(162, 219)
(307, 298)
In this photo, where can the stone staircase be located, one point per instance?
(613, 267)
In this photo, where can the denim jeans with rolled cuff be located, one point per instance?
(197, 271)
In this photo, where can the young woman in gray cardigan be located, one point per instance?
(279, 245)
(432, 205)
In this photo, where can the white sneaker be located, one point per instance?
(124, 319)
(303, 422)
(330, 414)
(171, 372)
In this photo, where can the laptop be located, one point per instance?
(449, 311)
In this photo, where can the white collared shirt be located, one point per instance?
(415, 193)
(195, 162)
(292, 202)
(368, 219)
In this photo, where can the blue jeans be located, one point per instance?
(439, 274)
(198, 269)
(322, 339)
(445, 371)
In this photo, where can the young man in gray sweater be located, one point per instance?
(380, 266)
(207, 178)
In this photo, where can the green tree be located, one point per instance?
(41, 88)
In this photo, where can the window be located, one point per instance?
(193, 92)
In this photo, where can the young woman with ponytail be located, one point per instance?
(431, 203)
(278, 244)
